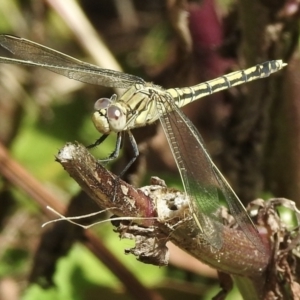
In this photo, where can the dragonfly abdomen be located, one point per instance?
(183, 96)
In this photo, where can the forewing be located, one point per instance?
(196, 171)
(201, 178)
(33, 54)
(239, 212)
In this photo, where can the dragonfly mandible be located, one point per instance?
(143, 103)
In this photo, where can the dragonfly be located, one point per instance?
(143, 103)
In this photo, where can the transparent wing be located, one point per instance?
(201, 178)
(33, 54)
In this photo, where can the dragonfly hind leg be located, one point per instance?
(135, 153)
(115, 154)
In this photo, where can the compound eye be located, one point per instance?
(116, 117)
(102, 103)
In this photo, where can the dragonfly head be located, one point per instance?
(108, 116)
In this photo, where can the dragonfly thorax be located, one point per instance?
(109, 116)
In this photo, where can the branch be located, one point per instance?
(238, 256)
(163, 215)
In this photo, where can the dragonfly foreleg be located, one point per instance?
(98, 142)
(115, 153)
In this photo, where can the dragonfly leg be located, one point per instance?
(98, 142)
(116, 152)
(135, 153)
